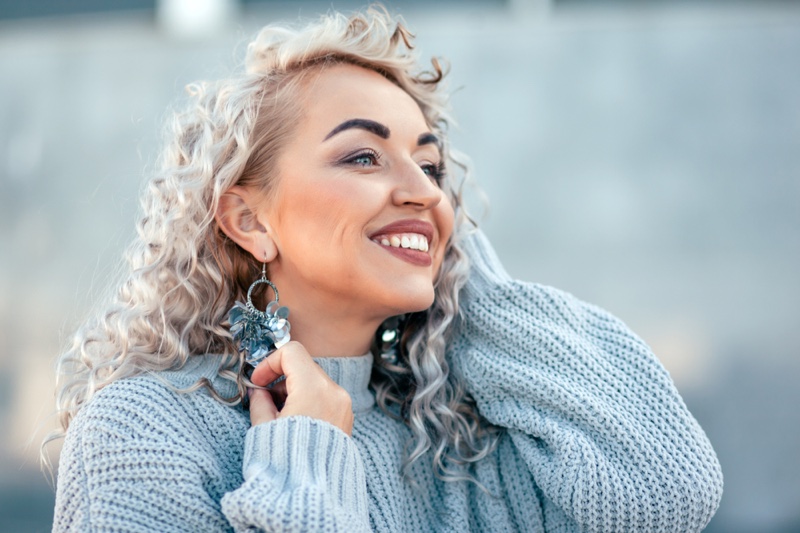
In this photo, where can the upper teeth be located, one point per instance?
(414, 241)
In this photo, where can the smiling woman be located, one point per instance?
(422, 390)
(365, 167)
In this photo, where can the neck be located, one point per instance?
(326, 322)
(332, 335)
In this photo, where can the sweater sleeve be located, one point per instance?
(300, 474)
(592, 413)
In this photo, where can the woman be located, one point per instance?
(441, 396)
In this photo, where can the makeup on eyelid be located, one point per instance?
(340, 250)
(434, 170)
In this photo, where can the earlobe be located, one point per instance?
(240, 223)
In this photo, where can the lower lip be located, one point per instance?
(415, 257)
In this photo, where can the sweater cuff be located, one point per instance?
(300, 450)
(486, 270)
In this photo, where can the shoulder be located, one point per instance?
(143, 452)
(513, 301)
(149, 406)
(133, 407)
(499, 314)
(490, 290)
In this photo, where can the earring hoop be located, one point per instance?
(259, 333)
(263, 279)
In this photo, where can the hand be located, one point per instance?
(306, 391)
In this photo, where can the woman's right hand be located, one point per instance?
(308, 390)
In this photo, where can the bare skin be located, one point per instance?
(307, 390)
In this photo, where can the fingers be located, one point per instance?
(262, 407)
(264, 373)
(290, 358)
(307, 390)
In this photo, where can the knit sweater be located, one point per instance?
(593, 436)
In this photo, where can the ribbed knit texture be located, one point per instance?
(594, 437)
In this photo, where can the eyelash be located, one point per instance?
(438, 171)
(435, 171)
(374, 156)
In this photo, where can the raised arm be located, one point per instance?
(593, 414)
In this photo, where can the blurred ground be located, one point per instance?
(644, 158)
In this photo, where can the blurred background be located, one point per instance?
(643, 155)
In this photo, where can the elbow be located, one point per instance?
(702, 495)
(666, 499)
(687, 501)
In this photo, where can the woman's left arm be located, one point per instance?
(591, 411)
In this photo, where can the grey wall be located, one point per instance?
(644, 158)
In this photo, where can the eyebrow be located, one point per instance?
(380, 130)
(428, 138)
(361, 123)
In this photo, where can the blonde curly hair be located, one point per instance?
(184, 273)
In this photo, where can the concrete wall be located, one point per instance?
(645, 159)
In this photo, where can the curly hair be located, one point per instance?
(184, 273)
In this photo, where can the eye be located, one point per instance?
(434, 171)
(364, 158)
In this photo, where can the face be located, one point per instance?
(357, 215)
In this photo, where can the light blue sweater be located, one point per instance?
(595, 438)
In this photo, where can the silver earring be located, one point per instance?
(388, 339)
(259, 333)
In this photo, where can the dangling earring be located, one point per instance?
(259, 333)
(388, 339)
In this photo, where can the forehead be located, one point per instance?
(343, 91)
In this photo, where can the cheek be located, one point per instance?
(445, 216)
(327, 209)
(445, 220)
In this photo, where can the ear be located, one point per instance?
(239, 221)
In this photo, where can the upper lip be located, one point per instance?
(406, 226)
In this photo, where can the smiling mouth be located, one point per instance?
(410, 247)
(407, 241)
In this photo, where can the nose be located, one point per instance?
(414, 188)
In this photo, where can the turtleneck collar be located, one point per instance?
(352, 374)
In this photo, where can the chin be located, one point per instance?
(421, 302)
(404, 294)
